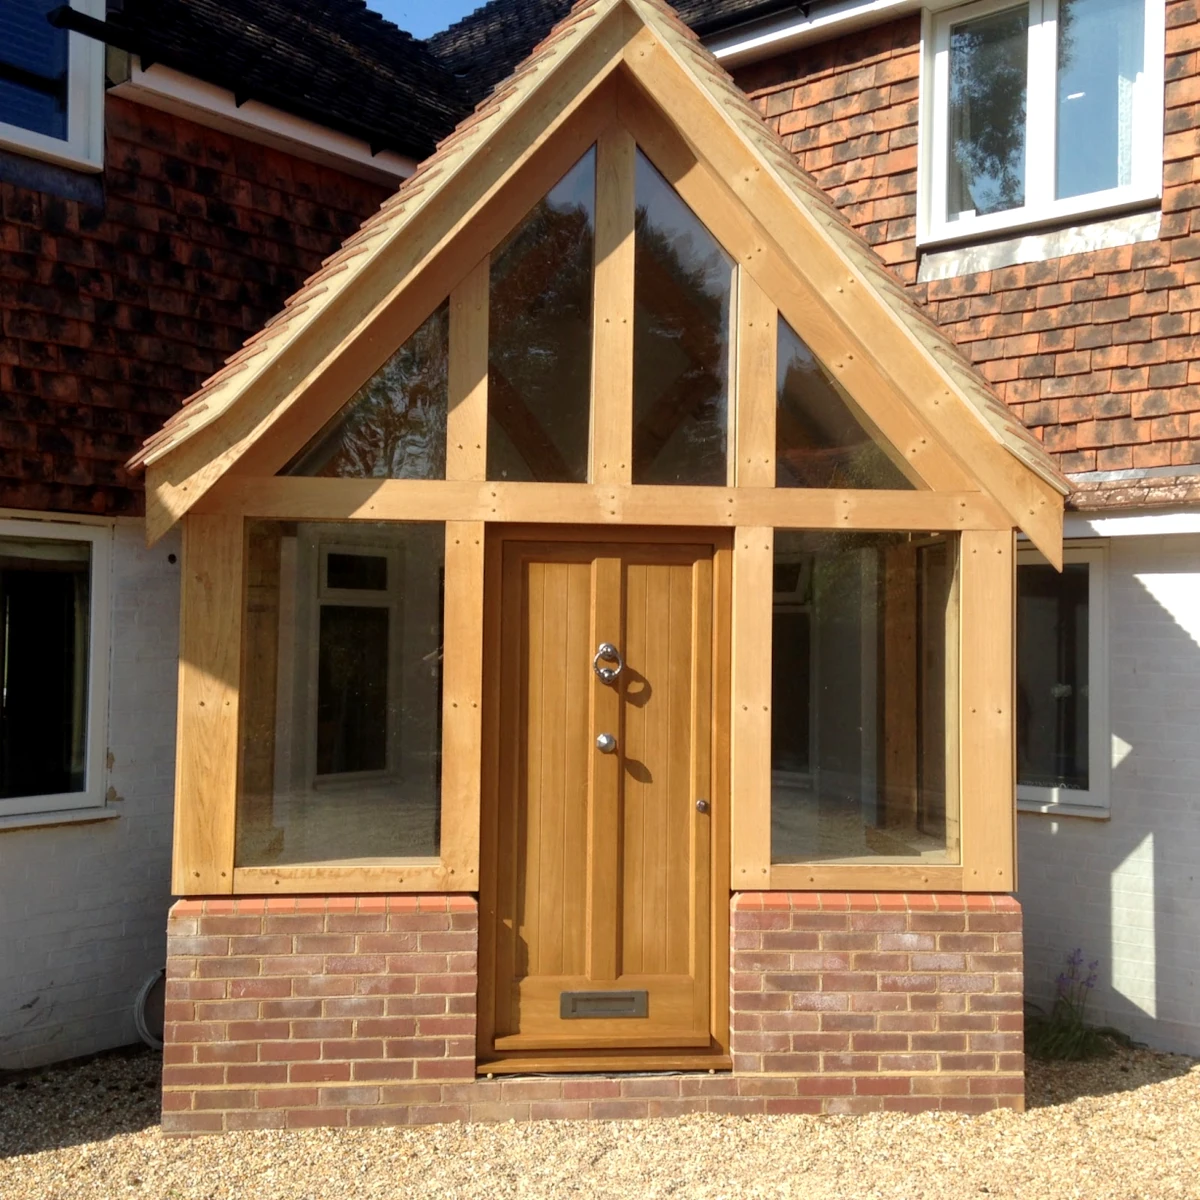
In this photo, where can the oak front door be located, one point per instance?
(603, 841)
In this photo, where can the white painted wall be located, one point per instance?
(83, 907)
(1127, 890)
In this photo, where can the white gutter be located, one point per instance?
(185, 96)
(764, 39)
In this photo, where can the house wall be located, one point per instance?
(1124, 890)
(1099, 353)
(114, 306)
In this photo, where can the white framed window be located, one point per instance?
(54, 616)
(1038, 112)
(1064, 744)
(51, 84)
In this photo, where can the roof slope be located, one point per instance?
(485, 46)
(272, 370)
(334, 62)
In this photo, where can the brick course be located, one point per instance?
(112, 315)
(1099, 353)
(287, 1013)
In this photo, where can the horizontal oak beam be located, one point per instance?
(300, 499)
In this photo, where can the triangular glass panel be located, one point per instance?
(819, 440)
(395, 426)
(681, 345)
(540, 337)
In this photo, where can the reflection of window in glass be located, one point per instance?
(395, 426)
(341, 693)
(987, 114)
(820, 440)
(540, 337)
(1052, 676)
(1101, 54)
(681, 346)
(864, 698)
(45, 598)
(33, 68)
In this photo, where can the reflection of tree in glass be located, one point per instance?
(395, 426)
(988, 72)
(682, 287)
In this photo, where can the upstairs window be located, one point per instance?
(1042, 111)
(51, 84)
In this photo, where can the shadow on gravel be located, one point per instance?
(85, 1100)
(1052, 1083)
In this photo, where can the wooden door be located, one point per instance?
(599, 884)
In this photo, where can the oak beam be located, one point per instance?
(758, 334)
(466, 420)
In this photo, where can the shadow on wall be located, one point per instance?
(1126, 890)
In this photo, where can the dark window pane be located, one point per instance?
(1052, 676)
(819, 440)
(356, 572)
(45, 599)
(395, 426)
(683, 284)
(863, 657)
(340, 754)
(988, 73)
(540, 338)
(33, 68)
(1101, 53)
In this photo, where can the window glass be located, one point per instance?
(45, 597)
(1052, 676)
(540, 338)
(395, 426)
(341, 693)
(864, 698)
(33, 68)
(819, 440)
(1101, 53)
(988, 71)
(682, 290)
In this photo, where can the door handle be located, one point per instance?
(608, 653)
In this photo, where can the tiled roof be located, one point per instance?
(331, 61)
(343, 270)
(484, 47)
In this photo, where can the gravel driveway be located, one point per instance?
(1126, 1127)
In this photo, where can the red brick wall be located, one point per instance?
(1099, 353)
(904, 1002)
(112, 315)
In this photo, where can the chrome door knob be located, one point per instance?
(606, 743)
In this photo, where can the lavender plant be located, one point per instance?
(1065, 1033)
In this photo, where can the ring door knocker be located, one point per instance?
(608, 653)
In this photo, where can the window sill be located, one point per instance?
(48, 149)
(1090, 812)
(77, 816)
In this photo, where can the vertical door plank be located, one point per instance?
(701, 825)
(753, 572)
(758, 325)
(462, 703)
(210, 656)
(604, 797)
(987, 672)
(612, 320)
(466, 422)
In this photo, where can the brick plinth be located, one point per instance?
(291, 1013)
(891, 1001)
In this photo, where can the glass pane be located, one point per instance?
(341, 693)
(45, 597)
(683, 285)
(1101, 53)
(988, 71)
(863, 672)
(33, 68)
(1052, 676)
(819, 441)
(540, 340)
(395, 426)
